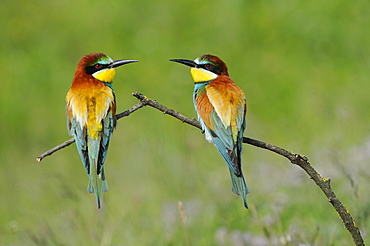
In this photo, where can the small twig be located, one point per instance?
(56, 148)
(160, 107)
(130, 111)
(301, 161)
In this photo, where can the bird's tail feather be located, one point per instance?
(97, 186)
(97, 183)
(239, 186)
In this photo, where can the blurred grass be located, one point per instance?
(304, 67)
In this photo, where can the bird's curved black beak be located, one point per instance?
(185, 62)
(120, 63)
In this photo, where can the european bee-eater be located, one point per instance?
(91, 110)
(221, 108)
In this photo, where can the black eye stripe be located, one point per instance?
(92, 69)
(212, 68)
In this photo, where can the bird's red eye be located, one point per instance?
(98, 66)
(208, 66)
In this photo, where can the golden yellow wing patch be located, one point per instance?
(226, 97)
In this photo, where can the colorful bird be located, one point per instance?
(221, 109)
(91, 110)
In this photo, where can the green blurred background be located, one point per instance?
(304, 66)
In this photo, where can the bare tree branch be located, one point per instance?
(300, 160)
(56, 148)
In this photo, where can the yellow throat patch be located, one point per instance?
(201, 75)
(105, 75)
